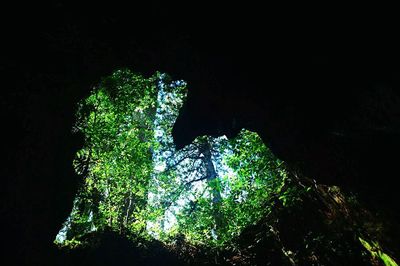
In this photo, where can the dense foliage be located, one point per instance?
(116, 121)
(138, 184)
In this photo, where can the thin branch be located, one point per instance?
(183, 187)
(196, 180)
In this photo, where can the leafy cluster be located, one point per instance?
(116, 121)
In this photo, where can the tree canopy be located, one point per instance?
(137, 183)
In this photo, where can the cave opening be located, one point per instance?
(137, 183)
(326, 102)
(217, 200)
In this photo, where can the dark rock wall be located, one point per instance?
(327, 105)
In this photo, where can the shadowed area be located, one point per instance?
(329, 106)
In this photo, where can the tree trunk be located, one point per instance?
(211, 179)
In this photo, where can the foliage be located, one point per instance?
(376, 252)
(248, 175)
(136, 182)
(116, 121)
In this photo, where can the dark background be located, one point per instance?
(321, 90)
